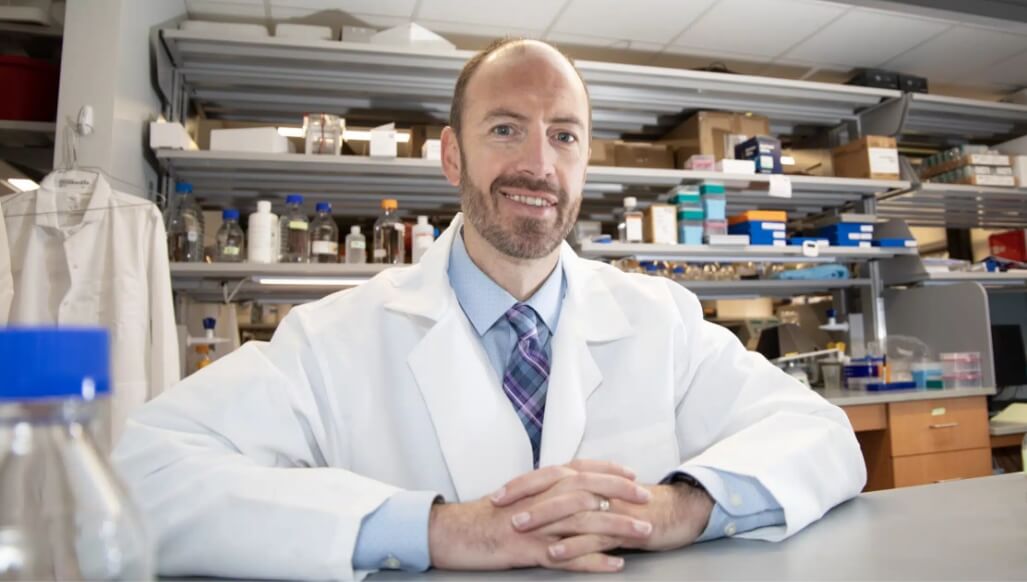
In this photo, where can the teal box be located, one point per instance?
(711, 188)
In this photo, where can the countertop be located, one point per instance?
(841, 397)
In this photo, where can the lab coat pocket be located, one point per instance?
(650, 450)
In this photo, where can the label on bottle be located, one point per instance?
(324, 247)
(230, 251)
(359, 244)
(192, 236)
(633, 227)
(379, 254)
(297, 225)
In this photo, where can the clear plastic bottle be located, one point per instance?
(423, 237)
(356, 247)
(64, 515)
(184, 224)
(389, 235)
(631, 229)
(324, 236)
(230, 238)
(295, 232)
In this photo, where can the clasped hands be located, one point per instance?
(566, 518)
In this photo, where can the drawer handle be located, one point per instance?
(945, 425)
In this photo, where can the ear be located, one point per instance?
(451, 156)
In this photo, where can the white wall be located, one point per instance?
(106, 63)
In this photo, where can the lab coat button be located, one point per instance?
(730, 529)
(391, 563)
(736, 500)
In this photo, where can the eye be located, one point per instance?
(566, 137)
(502, 131)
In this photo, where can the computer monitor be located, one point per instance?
(1010, 356)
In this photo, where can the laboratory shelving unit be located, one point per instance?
(276, 81)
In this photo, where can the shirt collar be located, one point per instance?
(485, 302)
(47, 206)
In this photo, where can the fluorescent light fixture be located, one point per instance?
(22, 184)
(312, 281)
(348, 135)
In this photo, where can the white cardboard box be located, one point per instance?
(383, 141)
(172, 136)
(431, 149)
(736, 166)
(254, 139)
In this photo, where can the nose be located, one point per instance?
(538, 157)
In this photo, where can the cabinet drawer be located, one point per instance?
(925, 469)
(867, 417)
(932, 426)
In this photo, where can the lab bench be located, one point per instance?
(919, 437)
(966, 530)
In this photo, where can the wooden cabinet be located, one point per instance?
(923, 441)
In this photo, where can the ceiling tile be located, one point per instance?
(767, 27)
(243, 9)
(656, 21)
(558, 38)
(523, 14)
(705, 52)
(863, 38)
(1010, 72)
(957, 52)
(446, 27)
(683, 61)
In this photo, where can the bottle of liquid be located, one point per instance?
(324, 236)
(184, 224)
(64, 515)
(230, 239)
(263, 235)
(423, 236)
(631, 229)
(294, 232)
(389, 235)
(356, 247)
(204, 350)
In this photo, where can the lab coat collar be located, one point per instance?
(482, 439)
(47, 208)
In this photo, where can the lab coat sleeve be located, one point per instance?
(163, 348)
(229, 468)
(6, 278)
(738, 413)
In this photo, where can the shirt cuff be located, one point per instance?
(741, 503)
(395, 536)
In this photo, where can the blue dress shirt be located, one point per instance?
(395, 536)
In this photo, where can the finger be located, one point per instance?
(579, 493)
(607, 486)
(589, 563)
(600, 523)
(572, 548)
(530, 484)
(607, 467)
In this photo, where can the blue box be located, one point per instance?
(847, 228)
(715, 207)
(799, 240)
(765, 151)
(761, 233)
(690, 234)
(902, 243)
(711, 188)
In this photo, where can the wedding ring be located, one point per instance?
(604, 504)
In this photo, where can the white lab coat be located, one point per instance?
(265, 463)
(105, 267)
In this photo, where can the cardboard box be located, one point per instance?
(699, 133)
(660, 224)
(874, 157)
(808, 162)
(422, 133)
(255, 139)
(602, 152)
(642, 155)
(736, 166)
(357, 142)
(431, 149)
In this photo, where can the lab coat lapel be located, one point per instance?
(481, 438)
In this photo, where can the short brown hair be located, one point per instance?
(456, 110)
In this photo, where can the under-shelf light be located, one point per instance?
(311, 281)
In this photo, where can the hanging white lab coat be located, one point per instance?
(265, 463)
(106, 266)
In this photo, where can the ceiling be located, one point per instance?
(802, 39)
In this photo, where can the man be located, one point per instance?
(562, 409)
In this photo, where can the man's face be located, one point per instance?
(523, 149)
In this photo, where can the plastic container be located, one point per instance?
(356, 247)
(324, 236)
(690, 232)
(294, 232)
(231, 242)
(423, 235)
(323, 133)
(389, 236)
(714, 227)
(715, 206)
(927, 375)
(29, 88)
(64, 515)
(263, 235)
(961, 369)
(183, 221)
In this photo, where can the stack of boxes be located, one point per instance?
(763, 227)
(763, 151)
(847, 230)
(690, 214)
(969, 164)
(714, 205)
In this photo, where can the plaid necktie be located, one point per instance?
(527, 374)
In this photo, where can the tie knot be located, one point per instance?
(523, 319)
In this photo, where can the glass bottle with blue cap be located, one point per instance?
(63, 513)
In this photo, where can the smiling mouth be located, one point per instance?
(536, 201)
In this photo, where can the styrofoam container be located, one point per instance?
(304, 31)
(253, 139)
(225, 28)
(170, 135)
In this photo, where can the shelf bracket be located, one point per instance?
(885, 118)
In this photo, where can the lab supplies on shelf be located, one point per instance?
(630, 227)
(263, 235)
(184, 224)
(323, 133)
(324, 236)
(423, 235)
(356, 247)
(389, 235)
(294, 232)
(231, 242)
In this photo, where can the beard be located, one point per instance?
(520, 237)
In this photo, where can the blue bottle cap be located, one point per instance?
(184, 188)
(324, 207)
(294, 199)
(50, 362)
(230, 214)
(209, 323)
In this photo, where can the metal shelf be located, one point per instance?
(277, 80)
(956, 205)
(755, 253)
(281, 281)
(769, 288)
(236, 179)
(27, 133)
(1009, 279)
(968, 119)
